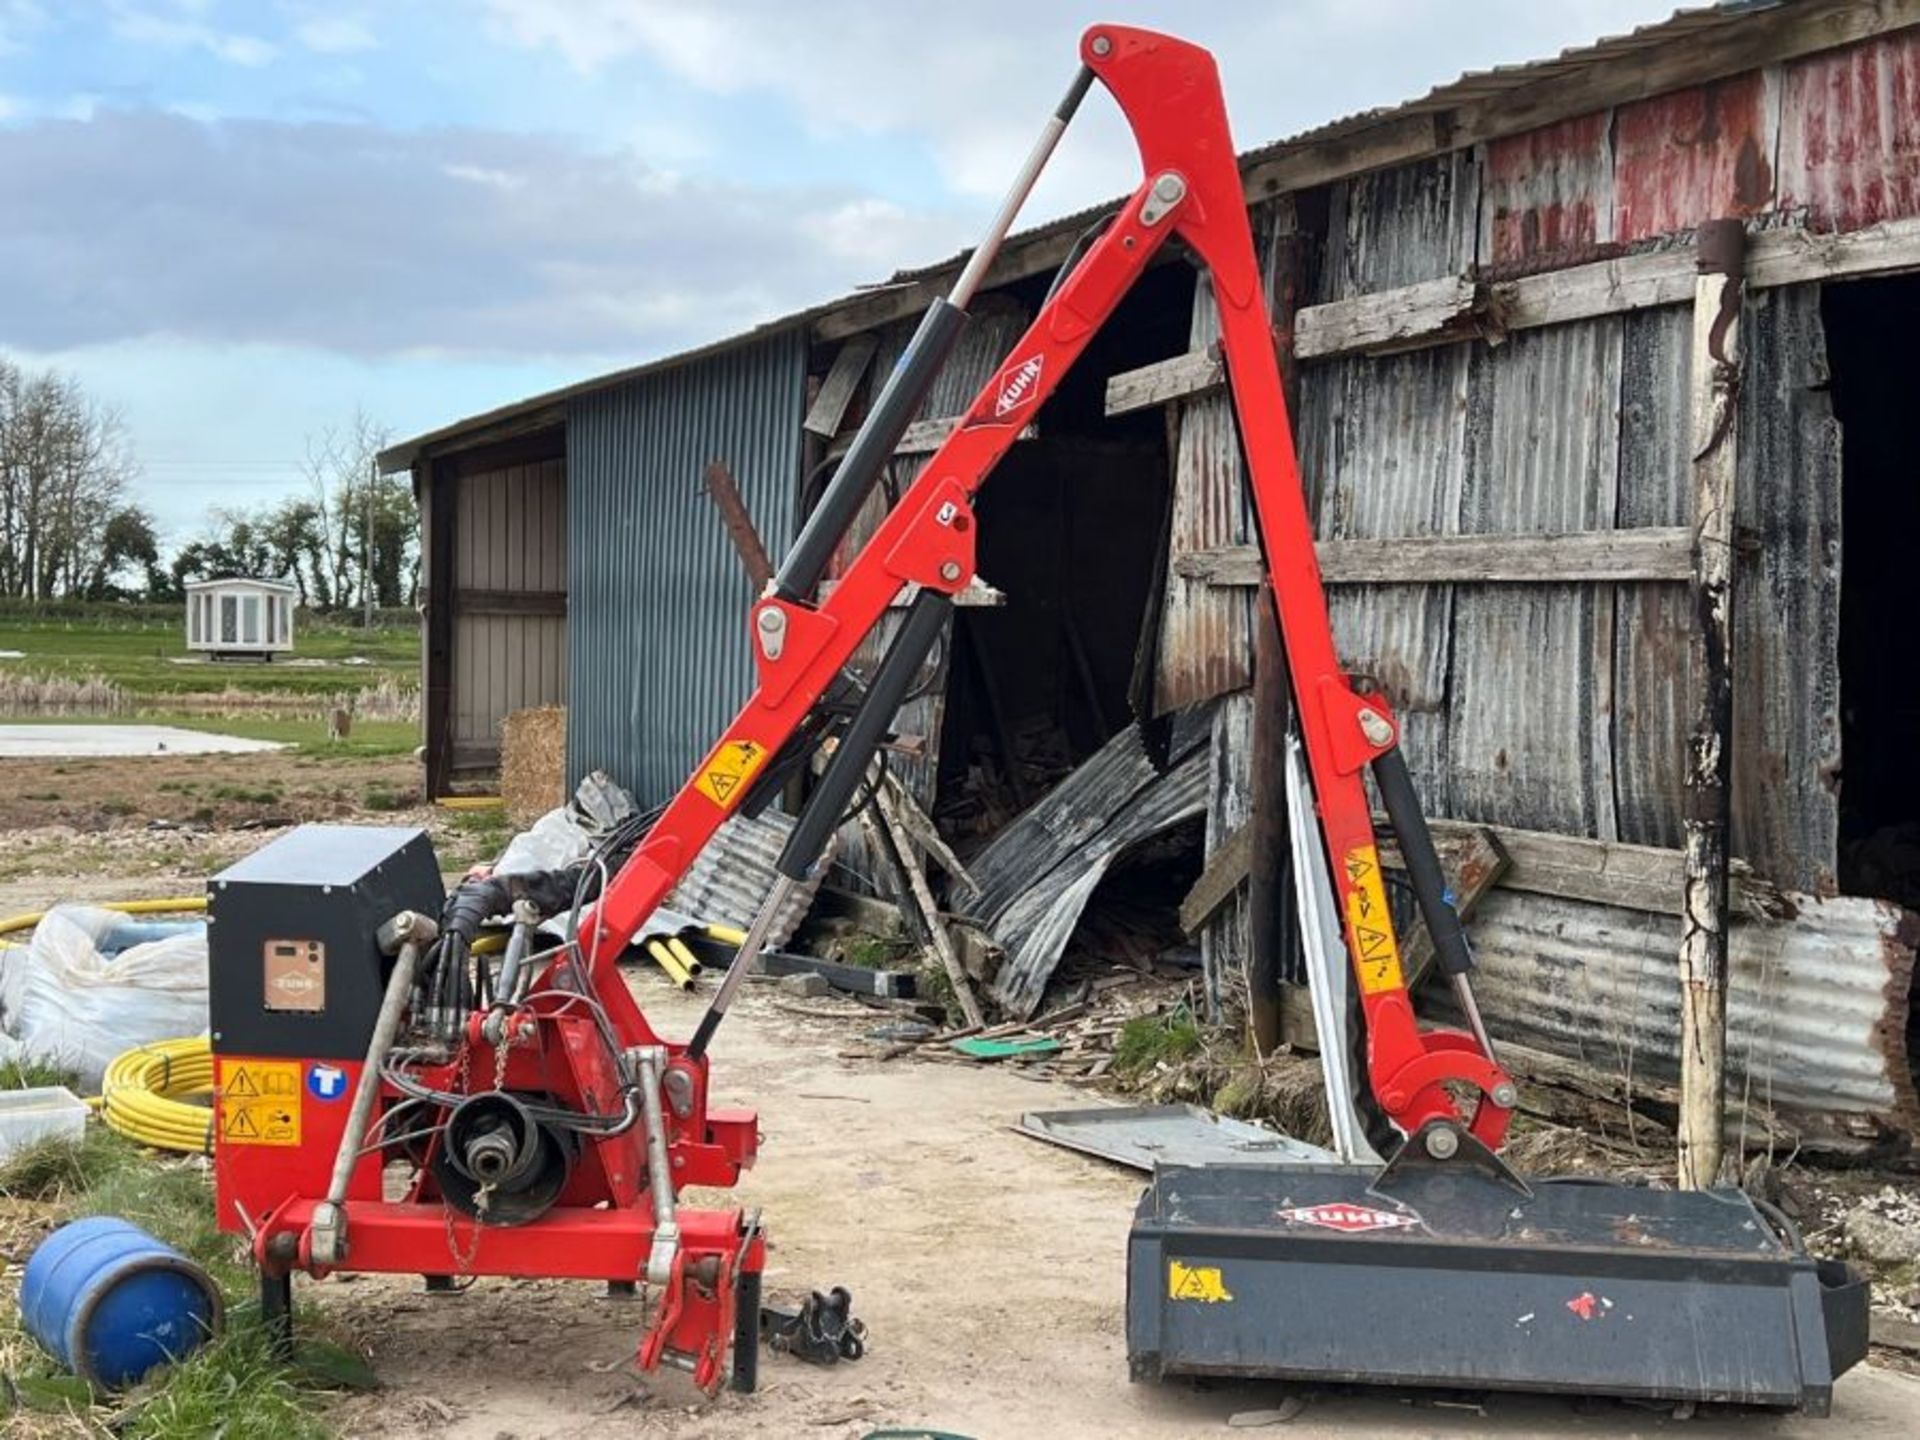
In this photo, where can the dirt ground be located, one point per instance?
(217, 792)
(989, 1268)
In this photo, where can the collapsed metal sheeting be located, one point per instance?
(1032, 883)
(1143, 1136)
(1817, 1006)
(730, 878)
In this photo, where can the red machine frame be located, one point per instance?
(1170, 93)
(603, 1228)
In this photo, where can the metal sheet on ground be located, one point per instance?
(1143, 1136)
(62, 742)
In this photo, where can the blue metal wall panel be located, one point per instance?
(658, 610)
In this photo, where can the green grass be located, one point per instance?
(234, 1387)
(24, 1073)
(472, 837)
(1149, 1040)
(138, 655)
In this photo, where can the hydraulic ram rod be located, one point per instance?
(913, 376)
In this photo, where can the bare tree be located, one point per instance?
(65, 467)
(368, 524)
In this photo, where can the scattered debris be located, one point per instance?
(1286, 1410)
(979, 1047)
(1143, 1136)
(1885, 1228)
(805, 985)
(821, 1332)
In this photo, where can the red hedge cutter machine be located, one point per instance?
(392, 1099)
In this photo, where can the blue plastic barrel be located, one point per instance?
(110, 1302)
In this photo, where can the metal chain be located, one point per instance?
(463, 1260)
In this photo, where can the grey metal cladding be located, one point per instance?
(659, 659)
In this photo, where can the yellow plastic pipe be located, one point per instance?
(176, 906)
(146, 1095)
(665, 959)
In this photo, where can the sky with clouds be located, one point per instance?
(239, 220)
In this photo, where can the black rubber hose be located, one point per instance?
(892, 682)
(1429, 882)
(873, 447)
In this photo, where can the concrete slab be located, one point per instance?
(68, 742)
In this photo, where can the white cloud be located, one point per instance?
(8, 107)
(18, 20)
(334, 34)
(376, 242)
(974, 88)
(180, 25)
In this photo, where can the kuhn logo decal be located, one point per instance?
(1017, 384)
(1348, 1219)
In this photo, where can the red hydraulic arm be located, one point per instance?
(1191, 189)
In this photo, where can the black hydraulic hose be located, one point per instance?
(873, 446)
(892, 681)
(1429, 882)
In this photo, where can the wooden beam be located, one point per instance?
(509, 602)
(1793, 257)
(1411, 316)
(1226, 868)
(1746, 42)
(738, 521)
(1458, 308)
(1605, 872)
(836, 391)
(1165, 380)
(922, 897)
(1715, 387)
(1662, 552)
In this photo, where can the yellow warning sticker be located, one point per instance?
(723, 779)
(260, 1102)
(1196, 1282)
(1368, 925)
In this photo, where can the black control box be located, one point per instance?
(294, 967)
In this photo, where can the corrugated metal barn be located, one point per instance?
(1486, 300)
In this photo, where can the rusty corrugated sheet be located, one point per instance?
(1034, 880)
(1786, 605)
(1530, 704)
(1204, 636)
(1693, 155)
(1398, 227)
(1816, 1008)
(730, 877)
(1652, 658)
(1384, 444)
(1547, 192)
(1850, 134)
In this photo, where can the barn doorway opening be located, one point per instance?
(1071, 532)
(1870, 325)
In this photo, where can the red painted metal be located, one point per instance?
(1693, 155)
(603, 1222)
(1170, 93)
(1547, 192)
(1850, 134)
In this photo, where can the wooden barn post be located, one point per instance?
(1715, 388)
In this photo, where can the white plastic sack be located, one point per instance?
(553, 842)
(566, 836)
(79, 1009)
